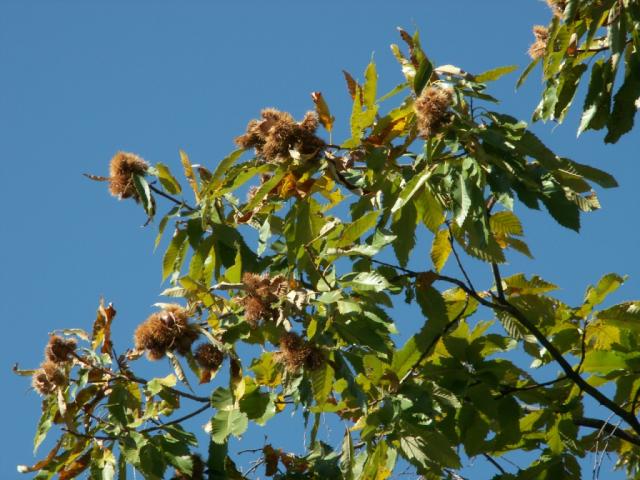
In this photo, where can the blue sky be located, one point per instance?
(83, 79)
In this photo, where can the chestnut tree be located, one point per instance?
(287, 258)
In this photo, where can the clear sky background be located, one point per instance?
(80, 80)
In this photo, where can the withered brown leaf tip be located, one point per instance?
(539, 47)
(166, 330)
(431, 109)
(277, 132)
(121, 170)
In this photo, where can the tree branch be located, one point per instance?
(177, 420)
(505, 306)
(608, 428)
(133, 378)
(171, 198)
(433, 343)
(493, 462)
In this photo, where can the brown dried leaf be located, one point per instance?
(322, 109)
(271, 458)
(44, 462)
(352, 85)
(77, 467)
(96, 178)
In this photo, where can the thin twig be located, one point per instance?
(493, 462)
(177, 420)
(607, 428)
(169, 197)
(509, 390)
(435, 340)
(316, 268)
(507, 307)
(133, 378)
(455, 254)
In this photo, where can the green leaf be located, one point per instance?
(554, 439)
(567, 90)
(423, 74)
(224, 166)
(594, 296)
(228, 422)
(49, 410)
(365, 281)
(624, 315)
(404, 226)
(322, 382)
(167, 180)
(519, 285)
(370, 86)
(152, 462)
(432, 445)
(440, 249)
(595, 112)
(563, 212)
(495, 74)
(410, 189)
(156, 385)
(172, 255)
(163, 223)
(357, 228)
(625, 101)
(144, 194)
(506, 223)
(376, 467)
(604, 362)
(525, 73)
(264, 189)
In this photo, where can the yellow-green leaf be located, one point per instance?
(440, 249)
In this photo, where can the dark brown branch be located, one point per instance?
(171, 198)
(145, 430)
(133, 378)
(435, 340)
(177, 420)
(608, 428)
(315, 267)
(492, 461)
(494, 266)
(455, 254)
(569, 371)
(509, 390)
(498, 280)
(506, 307)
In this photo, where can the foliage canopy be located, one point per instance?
(304, 321)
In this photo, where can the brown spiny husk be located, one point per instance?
(48, 377)
(209, 357)
(278, 132)
(539, 47)
(295, 353)
(123, 167)
(166, 330)
(197, 471)
(432, 110)
(59, 349)
(262, 292)
(557, 7)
